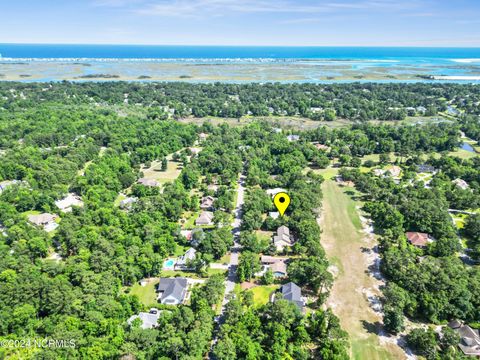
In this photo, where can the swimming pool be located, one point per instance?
(169, 263)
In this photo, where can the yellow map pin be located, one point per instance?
(281, 201)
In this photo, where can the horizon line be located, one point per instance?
(245, 45)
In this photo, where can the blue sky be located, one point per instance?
(243, 22)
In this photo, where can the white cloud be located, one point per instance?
(199, 8)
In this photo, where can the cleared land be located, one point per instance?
(155, 171)
(345, 245)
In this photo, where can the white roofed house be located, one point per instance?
(128, 202)
(283, 238)
(183, 261)
(68, 202)
(149, 320)
(45, 220)
(273, 192)
(293, 138)
(462, 184)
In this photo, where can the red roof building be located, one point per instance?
(418, 239)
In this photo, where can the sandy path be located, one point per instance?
(354, 296)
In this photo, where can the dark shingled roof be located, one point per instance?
(292, 292)
(173, 287)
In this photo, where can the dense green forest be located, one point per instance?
(85, 138)
(316, 101)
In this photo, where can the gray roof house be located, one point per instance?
(172, 291)
(292, 292)
(425, 168)
(283, 238)
(205, 218)
(149, 320)
(148, 182)
(207, 203)
(182, 262)
(469, 338)
(45, 220)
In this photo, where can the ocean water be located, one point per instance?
(138, 52)
(30, 62)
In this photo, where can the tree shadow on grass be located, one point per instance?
(372, 328)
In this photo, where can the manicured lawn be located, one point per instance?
(463, 154)
(328, 173)
(217, 271)
(191, 217)
(261, 294)
(264, 235)
(225, 259)
(175, 273)
(146, 294)
(180, 250)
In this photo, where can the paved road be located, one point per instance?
(235, 251)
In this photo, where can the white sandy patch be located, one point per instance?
(455, 77)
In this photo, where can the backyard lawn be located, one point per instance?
(146, 294)
(261, 294)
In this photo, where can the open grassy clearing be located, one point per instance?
(146, 294)
(463, 154)
(345, 245)
(155, 172)
(261, 294)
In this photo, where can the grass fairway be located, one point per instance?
(343, 241)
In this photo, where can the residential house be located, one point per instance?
(273, 192)
(148, 182)
(172, 291)
(5, 184)
(462, 184)
(212, 187)
(322, 147)
(278, 265)
(207, 203)
(195, 150)
(395, 171)
(274, 214)
(425, 168)
(283, 238)
(421, 109)
(293, 293)
(183, 261)
(293, 138)
(205, 218)
(277, 130)
(202, 136)
(149, 320)
(418, 239)
(378, 172)
(469, 338)
(68, 202)
(128, 202)
(45, 220)
(187, 234)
